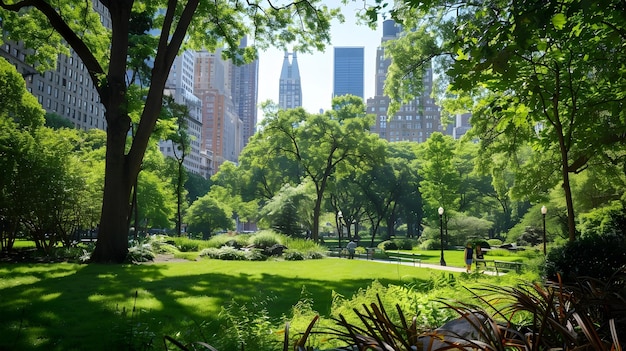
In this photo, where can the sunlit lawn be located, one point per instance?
(89, 307)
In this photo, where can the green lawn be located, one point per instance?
(90, 307)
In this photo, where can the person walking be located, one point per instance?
(351, 249)
(469, 255)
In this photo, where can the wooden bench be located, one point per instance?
(498, 266)
(506, 266)
(406, 257)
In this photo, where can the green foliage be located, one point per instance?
(140, 252)
(522, 71)
(318, 145)
(430, 244)
(185, 244)
(225, 253)
(293, 255)
(591, 256)
(500, 253)
(404, 244)
(246, 326)
(190, 25)
(388, 245)
(288, 212)
(207, 215)
(494, 242)
(607, 220)
(16, 103)
(228, 239)
(265, 239)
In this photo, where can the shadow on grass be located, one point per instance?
(79, 307)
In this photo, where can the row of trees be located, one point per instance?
(302, 169)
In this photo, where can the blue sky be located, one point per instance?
(316, 69)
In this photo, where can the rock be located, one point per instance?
(275, 250)
(458, 330)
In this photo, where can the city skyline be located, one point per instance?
(316, 69)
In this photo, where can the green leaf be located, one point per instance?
(559, 20)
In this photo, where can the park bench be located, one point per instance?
(498, 266)
(405, 257)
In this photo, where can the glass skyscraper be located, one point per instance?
(349, 71)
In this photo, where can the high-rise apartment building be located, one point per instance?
(67, 91)
(290, 91)
(221, 126)
(416, 120)
(245, 94)
(349, 71)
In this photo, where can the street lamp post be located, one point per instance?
(544, 210)
(442, 261)
(340, 219)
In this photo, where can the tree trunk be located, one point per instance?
(112, 244)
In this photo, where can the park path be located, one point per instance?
(425, 265)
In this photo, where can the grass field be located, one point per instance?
(93, 307)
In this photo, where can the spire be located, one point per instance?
(290, 92)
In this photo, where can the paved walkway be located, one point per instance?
(424, 265)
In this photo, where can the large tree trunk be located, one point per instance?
(112, 244)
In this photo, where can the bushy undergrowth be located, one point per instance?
(140, 252)
(494, 242)
(593, 256)
(226, 239)
(397, 244)
(224, 253)
(266, 238)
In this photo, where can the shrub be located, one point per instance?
(292, 255)
(594, 256)
(186, 245)
(140, 252)
(227, 239)
(265, 239)
(388, 245)
(494, 242)
(211, 252)
(404, 244)
(430, 244)
(231, 254)
(255, 255)
(484, 244)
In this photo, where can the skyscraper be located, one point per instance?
(290, 91)
(349, 71)
(245, 94)
(416, 120)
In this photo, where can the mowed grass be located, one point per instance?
(93, 307)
